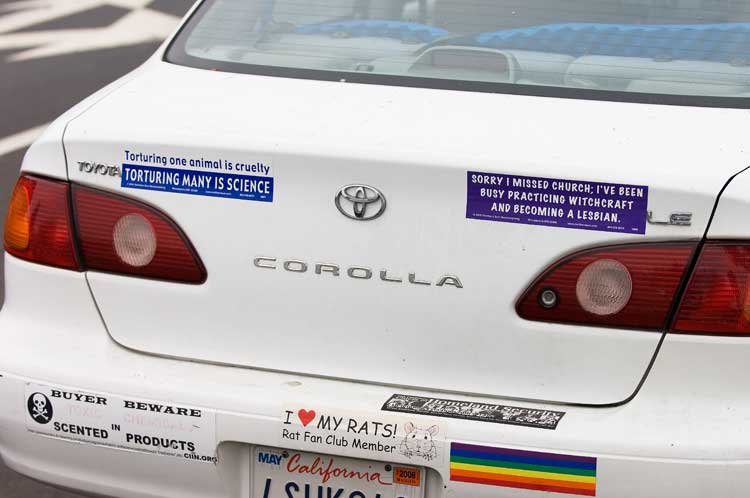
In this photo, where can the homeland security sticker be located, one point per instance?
(606, 207)
(124, 423)
(416, 440)
(468, 410)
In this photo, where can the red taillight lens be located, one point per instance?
(717, 298)
(120, 235)
(620, 286)
(38, 226)
(113, 234)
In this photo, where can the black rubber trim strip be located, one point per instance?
(71, 206)
(177, 54)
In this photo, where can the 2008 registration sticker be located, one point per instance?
(281, 473)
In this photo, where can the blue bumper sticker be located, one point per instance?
(206, 183)
(606, 207)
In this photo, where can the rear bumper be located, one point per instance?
(684, 435)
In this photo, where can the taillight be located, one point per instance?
(121, 235)
(112, 233)
(618, 286)
(717, 298)
(38, 227)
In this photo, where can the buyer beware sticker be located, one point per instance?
(606, 207)
(125, 423)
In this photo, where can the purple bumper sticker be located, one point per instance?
(607, 207)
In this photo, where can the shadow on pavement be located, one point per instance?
(8, 176)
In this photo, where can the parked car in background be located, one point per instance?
(390, 249)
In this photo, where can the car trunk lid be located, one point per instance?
(423, 295)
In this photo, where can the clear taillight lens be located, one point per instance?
(630, 286)
(717, 298)
(604, 287)
(134, 239)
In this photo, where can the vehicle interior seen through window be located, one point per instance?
(678, 47)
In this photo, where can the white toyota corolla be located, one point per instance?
(391, 249)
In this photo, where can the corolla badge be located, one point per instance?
(360, 202)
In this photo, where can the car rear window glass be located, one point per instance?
(695, 50)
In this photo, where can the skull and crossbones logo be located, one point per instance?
(40, 408)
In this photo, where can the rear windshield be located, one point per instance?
(695, 52)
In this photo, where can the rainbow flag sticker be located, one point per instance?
(523, 469)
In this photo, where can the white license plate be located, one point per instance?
(281, 473)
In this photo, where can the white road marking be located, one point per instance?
(20, 140)
(26, 13)
(141, 25)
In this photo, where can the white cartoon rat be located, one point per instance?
(418, 441)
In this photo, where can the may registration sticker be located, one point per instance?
(292, 474)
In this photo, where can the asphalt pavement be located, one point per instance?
(54, 53)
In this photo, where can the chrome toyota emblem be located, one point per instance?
(360, 202)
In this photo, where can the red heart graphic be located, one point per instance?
(306, 416)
